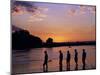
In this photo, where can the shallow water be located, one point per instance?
(32, 61)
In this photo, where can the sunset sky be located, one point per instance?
(62, 22)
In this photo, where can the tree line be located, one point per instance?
(22, 39)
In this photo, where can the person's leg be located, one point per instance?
(84, 61)
(76, 62)
(69, 63)
(66, 64)
(68, 67)
(46, 67)
(61, 65)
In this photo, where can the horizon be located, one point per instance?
(72, 23)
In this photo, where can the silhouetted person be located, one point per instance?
(60, 60)
(83, 58)
(45, 64)
(68, 60)
(76, 57)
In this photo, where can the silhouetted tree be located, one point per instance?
(22, 39)
(49, 40)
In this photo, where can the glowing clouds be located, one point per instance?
(89, 9)
(23, 8)
(43, 9)
(38, 15)
(92, 9)
(81, 10)
(33, 18)
(29, 7)
(71, 12)
(19, 10)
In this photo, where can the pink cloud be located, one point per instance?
(37, 16)
(82, 9)
(71, 12)
(90, 9)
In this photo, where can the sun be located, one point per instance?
(59, 39)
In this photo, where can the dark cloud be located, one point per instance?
(18, 5)
(23, 3)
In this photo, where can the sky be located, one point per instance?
(62, 22)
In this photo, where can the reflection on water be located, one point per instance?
(76, 67)
(32, 60)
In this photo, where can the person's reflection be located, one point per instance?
(45, 64)
(76, 67)
(60, 67)
(84, 66)
(68, 68)
(60, 60)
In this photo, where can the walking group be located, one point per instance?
(68, 58)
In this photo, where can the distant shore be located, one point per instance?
(50, 45)
(69, 44)
(22, 40)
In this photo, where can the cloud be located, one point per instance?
(37, 16)
(19, 10)
(81, 10)
(92, 9)
(72, 12)
(23, 6)
(43, 9)
(36, 13)
(87, 8)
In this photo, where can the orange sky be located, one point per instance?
(62, 22)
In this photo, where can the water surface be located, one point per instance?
(32, 61)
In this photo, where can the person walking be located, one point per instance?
(45, 64)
